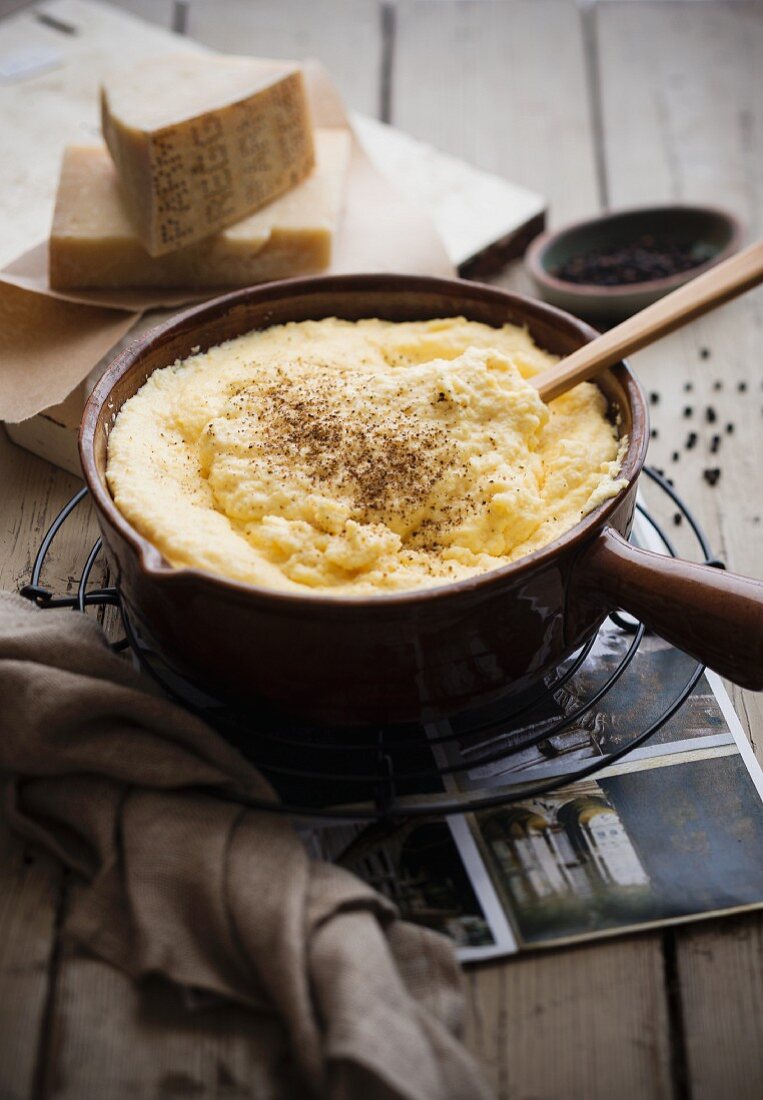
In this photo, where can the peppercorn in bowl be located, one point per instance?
(612, 266)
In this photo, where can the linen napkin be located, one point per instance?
(125, 787)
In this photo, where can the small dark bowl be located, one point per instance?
(716, 231)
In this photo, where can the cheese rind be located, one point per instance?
(93, 244)
(200, 142)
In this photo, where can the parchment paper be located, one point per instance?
(51, 340)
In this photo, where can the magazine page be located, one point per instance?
(669, 831)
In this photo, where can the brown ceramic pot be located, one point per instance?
(418, 654)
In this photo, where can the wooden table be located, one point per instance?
(620, 103)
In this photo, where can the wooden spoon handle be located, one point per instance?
(713, 288)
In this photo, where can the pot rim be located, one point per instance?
(154, 565)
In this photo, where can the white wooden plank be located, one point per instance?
(721, 969)
(584, 1024)
(683, 120)
(476, 80)
(343, 34)
(502, 85)
(30, 885)
(31, 493)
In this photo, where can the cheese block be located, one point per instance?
(93, 244)
(199, 142)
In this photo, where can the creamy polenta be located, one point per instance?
(359, 457)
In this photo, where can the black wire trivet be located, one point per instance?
(393, 772)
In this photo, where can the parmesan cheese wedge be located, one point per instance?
(199, 142)
(93, 243)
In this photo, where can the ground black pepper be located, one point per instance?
(710, 414)
(386, 463)
(712, 474)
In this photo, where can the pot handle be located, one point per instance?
(714, 616)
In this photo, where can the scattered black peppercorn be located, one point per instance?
(654, 397)
(691, 440)
(675, 456)
(717, 386)
(729, 428)
(712, 474)
(711, 415)
(715, 443)
(654, 433)
(688, 411)
(677, 519)
(742, 387)
(688, 387)
(704, 353)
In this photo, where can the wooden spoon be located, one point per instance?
(713, 288)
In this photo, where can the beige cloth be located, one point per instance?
(122, 786)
